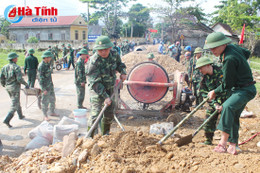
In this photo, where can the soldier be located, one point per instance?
(150, 57)
(212, 78)
(52, 59)
(125, 48)
(187, 56)
(11, 79)
(56, 52)
(116, 48)
(195, 76)
(80, 77)
(237, 77)
(85, 46)
(178, 49)
(46, 84)
(64, 55)
(31, 65)
(101, 73)
(71, 59)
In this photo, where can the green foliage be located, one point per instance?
(32, 40)
(4, 24)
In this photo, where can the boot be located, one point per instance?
(8, 119)
(105, 127)
(209, 138)
(20, 113)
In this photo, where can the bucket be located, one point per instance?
(80, 115)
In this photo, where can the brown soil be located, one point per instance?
(136, 151)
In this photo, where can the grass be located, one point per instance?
(255, 65)
(21, 58)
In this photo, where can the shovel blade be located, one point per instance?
(184, 140)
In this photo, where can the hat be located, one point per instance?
(150, 56)
(47, 54)
(69, 45)
(12, 55)
(103, 42)
(49, 46)
(216, 39)
(63, 44)
(83, 52)
(203, 61)
(198, 50)
(31, 51)
(188, 48)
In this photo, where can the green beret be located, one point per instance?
(83, 52)
(150, 56)
(203, 61)
(216, 39)
(198, 50)
(47, 54)
(12, 55)
(31, 51)
(103, 42)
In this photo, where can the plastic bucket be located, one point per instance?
(80, 115)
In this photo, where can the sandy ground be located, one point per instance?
(131, 151)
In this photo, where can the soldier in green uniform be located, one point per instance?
(211, 80)
(64, 55)
(46, 84)
(52, 59)
(85, 46)
(151, 57)
(125, 48)
(30, 67)
(101, 73)
(11, 79)
(80, 77)
(187, 56)
(56, 52)
(195, 76)
(71, 59)
(237, 77)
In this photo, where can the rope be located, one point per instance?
(258, 133)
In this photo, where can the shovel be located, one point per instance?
(188, 139)
(101, 113)
(182, 121)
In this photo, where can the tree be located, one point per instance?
(139, 19)
(109, 12)
(4, 24)
(32, 40)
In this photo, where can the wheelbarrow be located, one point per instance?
(32, 92)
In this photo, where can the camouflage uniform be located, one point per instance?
(64, 53)
(55, 52)
(209, 83)
(71, 59)
(52, 59)
(31, 64)
(46, 84)
(125, 48)
(101, 73)
(11, 79)
(195, 78)
(80, 77)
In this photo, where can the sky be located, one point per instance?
(75, 7)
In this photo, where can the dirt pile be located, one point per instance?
(130, 152)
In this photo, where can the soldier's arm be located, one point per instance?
(2, 78)
(95, 80)
(203, 89)
(121, 67)
(82, 74)
(19, 76)
(42, 79)
(25, 65)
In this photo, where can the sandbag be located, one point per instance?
(37, 142)
(68, 121)
(61, 130)
(45, 129)
(161, 128)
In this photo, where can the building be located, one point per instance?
(226, 30)
(56, 28)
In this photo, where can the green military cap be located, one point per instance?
(198, 50)
(12, 55)
(83, 52)
(85, 43)
(31, 51)
(103, 42)
(63, 44)
(49, 46)
(216, 39)
(203, 61)
(69, 45)
(47, 54)
(150, 56)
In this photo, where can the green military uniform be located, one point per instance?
(71, 59)
(101, 73)
(64, 53)
(86, 46)
(237, 76)
(209, 83)
(56, 52)
(46, 84)
(30, 65)
(125, 48)
(80, 77)
(52, 59)
(11, 79)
